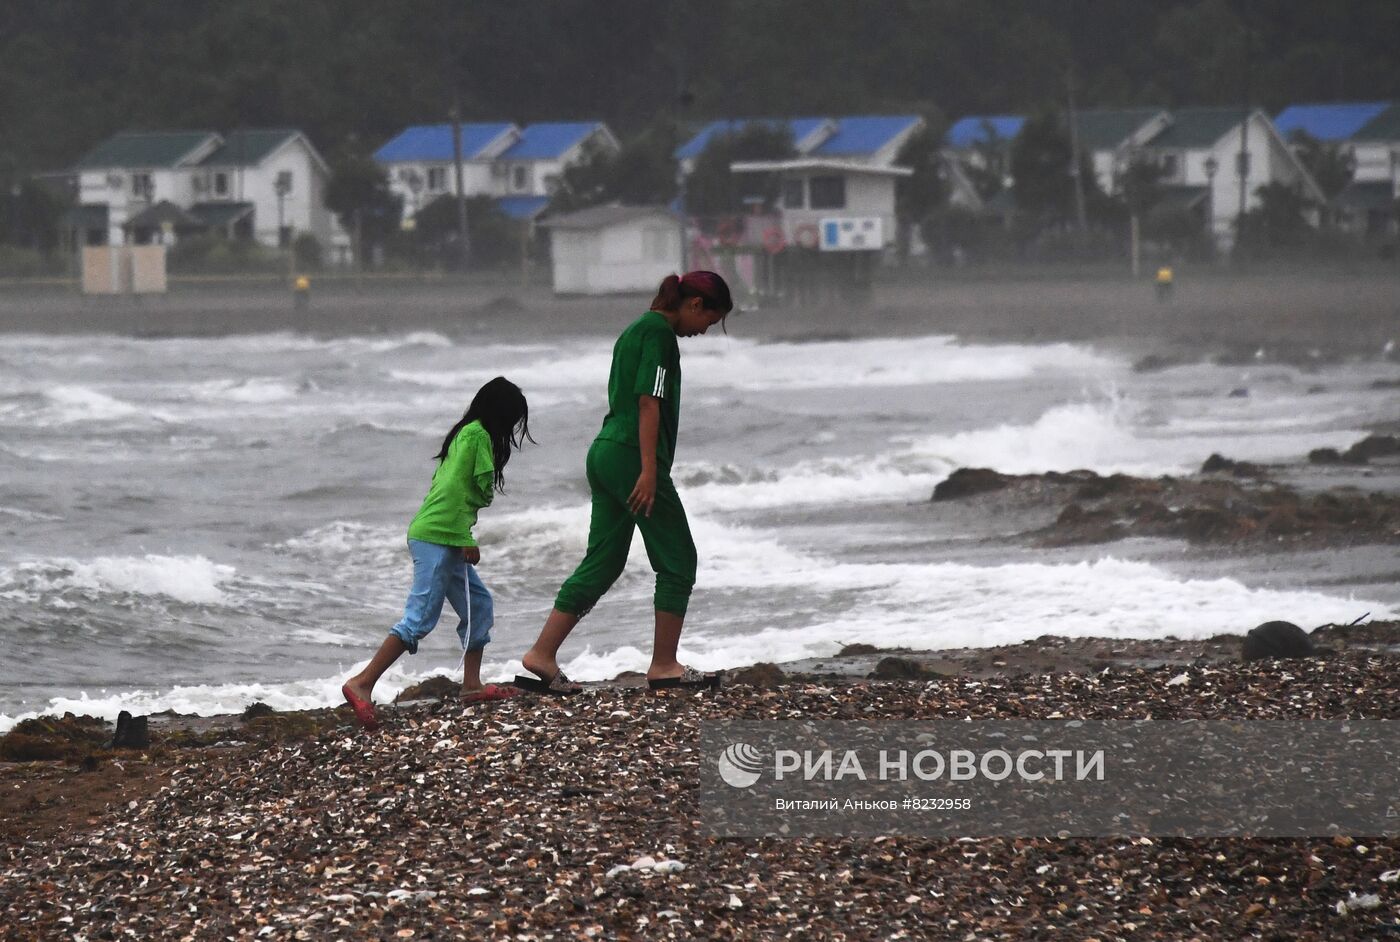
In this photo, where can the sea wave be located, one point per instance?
(193, 580)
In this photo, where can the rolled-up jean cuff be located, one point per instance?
(406, 636)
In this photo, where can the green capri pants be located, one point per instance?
(612, 473)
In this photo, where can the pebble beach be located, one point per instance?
(573, 819)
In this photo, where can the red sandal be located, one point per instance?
(364, 710)
(490, 692)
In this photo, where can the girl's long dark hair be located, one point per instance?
(501, 408)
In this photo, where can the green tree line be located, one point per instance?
(74, 71)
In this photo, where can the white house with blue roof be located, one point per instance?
(844, 169)
(1352, 126)
(981, 143)
(1369, 133)
(519, 167)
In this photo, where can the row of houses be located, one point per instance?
(269, 184)
(836, 192)
(1212, 161)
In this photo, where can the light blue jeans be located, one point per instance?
(441, 573)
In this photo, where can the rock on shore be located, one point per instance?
(1231, 503)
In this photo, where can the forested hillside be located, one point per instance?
(72, 71)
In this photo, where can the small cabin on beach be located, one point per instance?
(613, 249)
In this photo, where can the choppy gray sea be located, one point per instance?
(198, 523)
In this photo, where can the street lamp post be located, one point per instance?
(1395, 190)
(1128, 189)
(1212, 165)
(282, 187)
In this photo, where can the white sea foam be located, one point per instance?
(191, 579)
(31, 516)
(1119, 435)
(341, 538)
(224, 699)
(749, 365)
(949, 605)
(913, 361)
(69, 404)
(253, 390)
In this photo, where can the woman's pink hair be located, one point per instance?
(696, 284)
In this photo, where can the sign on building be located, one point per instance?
(852, 234)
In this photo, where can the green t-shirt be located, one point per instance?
(462, 485)
(646, 360)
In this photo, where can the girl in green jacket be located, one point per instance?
(471, 467)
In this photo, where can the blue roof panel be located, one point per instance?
(700, 141)
(973, 129)
(521, 207)
(855, 136)
(864, 135)
(1331, 122)
(549, 141)
(434, 142)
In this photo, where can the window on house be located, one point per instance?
(520, 177)
(437, 179)
(793, 193)
(1168, 166)
(142, 187)
(1242, 164)
(221, 184)
(828, 193)
(284, 182)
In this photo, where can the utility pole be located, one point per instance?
(1074, 169)
(1242, 161)
(682, 104)
(463, 243)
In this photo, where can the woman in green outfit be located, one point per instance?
(629, 474)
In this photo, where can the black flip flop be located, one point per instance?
(556, 686)
(690, 679)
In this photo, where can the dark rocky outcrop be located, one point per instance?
(255, 710)
(857, 650)
(49, 737)
(899, 668)
(759, 675)
(133, 732)
(1277, 639)
(1155, 363)
(1219, 464)
(1234, 506)
(436, 687)
(1372, 446)
(1364, 451)
(965, 482)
